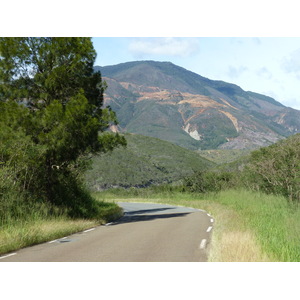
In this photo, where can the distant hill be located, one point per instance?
(224, 156)
(162, 100)
(145, 161)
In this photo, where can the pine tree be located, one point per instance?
(51, 96)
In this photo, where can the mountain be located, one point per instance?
(163, 100)
(144, 161)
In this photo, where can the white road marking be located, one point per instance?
(52, 242)
(88, 230)
(209, 229)
(202, 244)
(109, 223)
(8, 255)
(209, 215)
(57, 240)
(211, 220)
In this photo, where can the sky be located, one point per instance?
(266, 65)
(254, 44)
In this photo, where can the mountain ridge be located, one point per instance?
(162, 100)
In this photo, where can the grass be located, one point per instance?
(38, 227)
(249, 226)
(275, 222)
(28, 233)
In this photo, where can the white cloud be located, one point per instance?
(234, 72)
(257, 40)
(164, 46)
(291, 63)
(264, 73)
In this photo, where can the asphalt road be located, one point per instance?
(146, 233)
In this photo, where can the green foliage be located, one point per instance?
(224, 156)
(41, 70)
(144, 161)
(272, 170)
(209, 181)
(276, 169)
(51, 119)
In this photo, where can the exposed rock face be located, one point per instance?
(193, 133)
(163, 100)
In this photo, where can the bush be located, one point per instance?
(203, 182)
(275, 169)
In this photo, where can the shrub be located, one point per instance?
(275, 169)
(209, 181)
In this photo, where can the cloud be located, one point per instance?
(237, 41)
(264, 73)
(234, 72)
(291, 63)
(164, 46)
(256, 41)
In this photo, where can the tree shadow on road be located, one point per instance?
(145, 211)
(143, 218)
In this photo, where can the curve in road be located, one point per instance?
(147, 232)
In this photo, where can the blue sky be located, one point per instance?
(266, 65)
(227, 48)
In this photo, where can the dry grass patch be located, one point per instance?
(232, 241)
(34, 232)
(238, 246)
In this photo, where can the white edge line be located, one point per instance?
(8, 255)
(52, 242)
(209, 215)
(57, 240)
(209, 229)
(107, 224)
(88, 230)
(202, 244)
(212, 220)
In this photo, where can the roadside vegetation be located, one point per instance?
(51, 122)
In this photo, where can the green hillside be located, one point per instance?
(224, 156)
(145, 161)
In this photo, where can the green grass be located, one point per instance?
(22, 234)
(276, 223)
(41, 225)
(268, 224)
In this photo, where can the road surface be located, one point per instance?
(146, 233)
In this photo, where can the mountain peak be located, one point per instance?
(163, 100)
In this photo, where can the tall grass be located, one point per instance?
(21, 234)
(249, 226)
(275, 222)
(25, 222)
